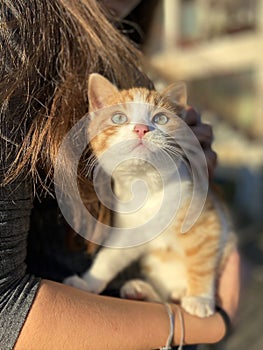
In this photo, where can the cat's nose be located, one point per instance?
(141, 130)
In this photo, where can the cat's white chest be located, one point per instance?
(139, 212)
(148, 200)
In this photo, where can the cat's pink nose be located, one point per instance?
(141, 130)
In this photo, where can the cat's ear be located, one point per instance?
(176, 93)
(99, 90)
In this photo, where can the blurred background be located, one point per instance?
(215, 47)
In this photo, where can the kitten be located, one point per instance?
(137, 128)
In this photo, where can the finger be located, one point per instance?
(204, 134)
(192, 116)
(211, 161)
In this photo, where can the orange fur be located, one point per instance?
(203, 250)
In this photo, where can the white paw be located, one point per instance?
(198, 306)
(139, 290)
(89, 284)
(77, 282)
(95, 285)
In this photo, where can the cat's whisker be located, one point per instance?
(90, 165)
(178, 155)
(173, 151)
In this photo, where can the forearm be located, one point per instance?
(197, 330)
(63, 317)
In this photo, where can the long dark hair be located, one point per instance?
(48, 49)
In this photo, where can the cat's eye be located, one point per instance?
(119, 118)
(160, 119)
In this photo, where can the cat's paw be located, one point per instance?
(139, 290)
(95, 285)
(89, 284)
(198, 305)
(77, 282)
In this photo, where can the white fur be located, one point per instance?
(165, 277)
(166, 280)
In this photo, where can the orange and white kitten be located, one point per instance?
(129, 130)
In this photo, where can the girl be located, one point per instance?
(48, 49)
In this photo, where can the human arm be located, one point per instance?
(64, 317)
(81, 318)
(229, 286)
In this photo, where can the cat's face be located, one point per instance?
(135, 124)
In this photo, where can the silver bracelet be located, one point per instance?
(180, 315)
(169, 342)
(168, 345)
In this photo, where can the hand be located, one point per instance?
(229, 286)
(120, 8)
(204, 134)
